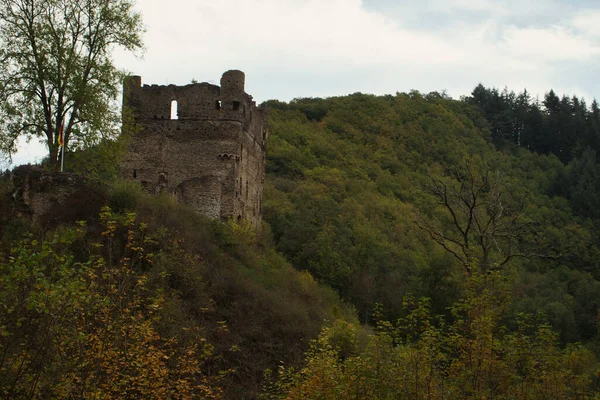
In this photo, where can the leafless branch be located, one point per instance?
(484, 226)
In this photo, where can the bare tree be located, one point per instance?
(477, 221)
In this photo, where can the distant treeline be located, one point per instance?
(563, 126)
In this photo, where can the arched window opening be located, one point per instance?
(162, 178)
(174, 109)
(236, 105)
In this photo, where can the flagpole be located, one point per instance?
(61, 141)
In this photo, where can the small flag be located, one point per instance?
(61, 136)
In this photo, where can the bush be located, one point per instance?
(124, 196)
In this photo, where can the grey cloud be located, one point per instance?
(435, 14)
(476, 34)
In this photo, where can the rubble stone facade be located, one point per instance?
(203, 143)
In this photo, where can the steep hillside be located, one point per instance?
(142, 298)
(473, 270)
(350, 179)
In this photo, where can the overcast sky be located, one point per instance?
(316, 48)
(319, 48)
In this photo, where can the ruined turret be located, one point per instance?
(202, 143)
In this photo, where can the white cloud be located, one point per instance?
(588, 23)
(294, 48)
(296, 34)
(549, 44)
(324, 36)
(491, 6)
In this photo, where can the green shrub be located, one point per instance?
(124, 196)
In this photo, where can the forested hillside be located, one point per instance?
(384, 197)
(350, 178)
(565, 127)
(414, 246)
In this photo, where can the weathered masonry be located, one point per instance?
(203, 143)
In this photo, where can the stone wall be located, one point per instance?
(210, 153)
(51, 198)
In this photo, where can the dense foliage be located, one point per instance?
(384, 197)
(349, 179)
(563, 126)
(421, 357)
(471, 262)
(149, 300)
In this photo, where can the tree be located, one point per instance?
(500, 109)
(533, 136)
(478, 223)
(56, 69)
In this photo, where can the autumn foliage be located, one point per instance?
(420, 357)
(84, 329)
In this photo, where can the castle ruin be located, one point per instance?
(203, 143)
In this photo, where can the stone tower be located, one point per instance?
(203, 143)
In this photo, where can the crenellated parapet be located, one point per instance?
(196, 101)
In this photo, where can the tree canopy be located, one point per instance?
(57, 72)
(348, 177)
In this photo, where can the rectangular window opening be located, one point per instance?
(174, 110)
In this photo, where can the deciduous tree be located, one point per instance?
(57, 72)
(478, 222)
